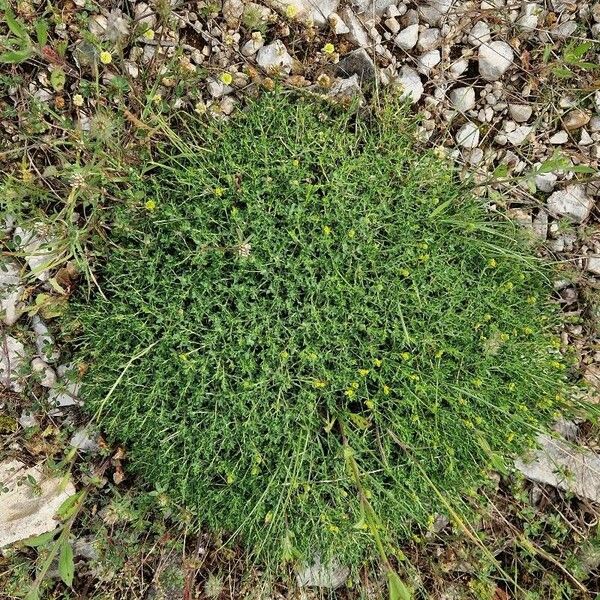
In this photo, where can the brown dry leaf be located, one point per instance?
(118, 475)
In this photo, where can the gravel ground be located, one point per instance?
(507, 89)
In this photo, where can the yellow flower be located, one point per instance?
(477, 382)
(377, 362)
(405, 355)
(156, 98)
(511, 386)
(350, 392)
(291, 11)
(218, 191)
(504, 337)
(230, 478)
(78, 100)
(370, 404)
(327, 230)
(404, 272)
(149, 34)
(105, 57)
(414, 377)
(363, 372)
(352, 234)
(386, 390)
(528, 330)
(319, 383)
(150, 205)
(329, 48)
(492, 263)
(226, 78)
(296, 162)
(510, 437)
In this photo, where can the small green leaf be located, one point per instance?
(573, 54)
(40, 540)
(69, 507)
(500, 171)
(58, 79)
(397, 588)
(66, 564)
(14, 57)
(562, 72)
(359, 421)
(33, 594)
(41, 31)
(582, 169)
(17, 28)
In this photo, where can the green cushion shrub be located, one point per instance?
(310, 335)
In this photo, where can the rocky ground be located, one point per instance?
(507, 89)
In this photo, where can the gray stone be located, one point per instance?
(428, 61)
(468, 136)
(316, 12)
(46, 374)
(232, 12)
(519, 135)
(565, 467)
(66, 391)
(26, 510)
(560, 137)
(429, 39)
(330, 575)
(434, 12)
(358, 63)
(38, 249)
(528, 19)
(545, 182)
(410, 84)
(337, 25)
(495, 59)
(274, 58)
(571, 202)
(44, 342)
(372, 7)
(85, 441)
(462, 98)
(593, 264)
(346, 89)
(12, 357)
(144, 15)
(479, 34)
(564, 30)
(357, 34)
(11, 291)
(407, 38)
(520, 112)
(253, 45)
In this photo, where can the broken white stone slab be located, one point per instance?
(27, 511)
(357, 33)
(44, 372)
(12, 357)
(330, 575)
(38, 249)
(565, 467)
(572, 202)
(44, 341)
(66, 391)
(11, 291)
